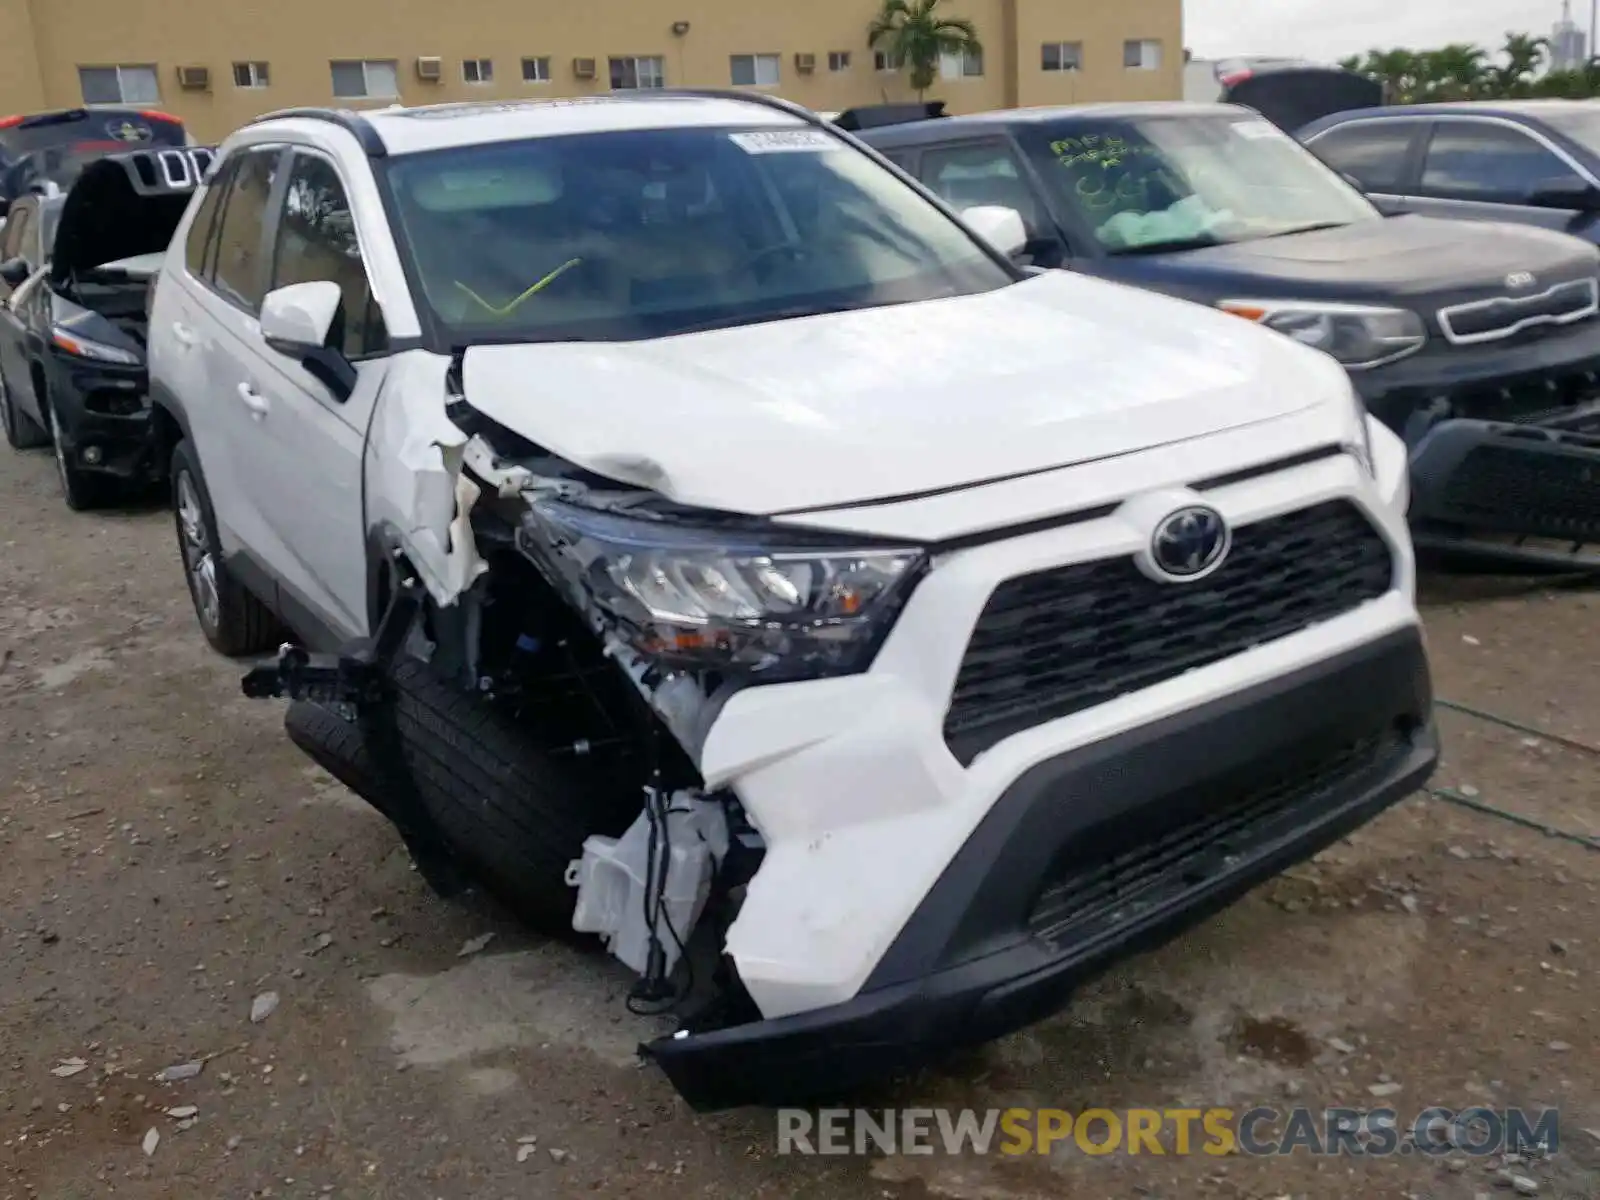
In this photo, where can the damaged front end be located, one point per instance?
(610, 623)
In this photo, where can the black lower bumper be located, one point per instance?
(1525, 491)
(1505, 445)
(106, 425)
(1086, 858)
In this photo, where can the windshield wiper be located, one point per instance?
(1313, 228)
(1169, 245)
(761, 317)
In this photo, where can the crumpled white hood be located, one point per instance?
(857, 406)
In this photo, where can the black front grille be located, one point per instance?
(1115, 874)
(1067, 639)
(1507, 488)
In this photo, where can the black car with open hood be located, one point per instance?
(1477, 343)
(75, 285)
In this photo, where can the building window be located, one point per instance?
(629, 73)
(1142, 55)
(477, 70)
(1063, 56)
(371, 79)
(119, 85)
(251, 75)
(536, 70)
(884, 61)
(964, 64)
(838, 60)
(754, 70)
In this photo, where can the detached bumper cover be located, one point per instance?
(1526, 490)
(1505, 445)
(1091, 856)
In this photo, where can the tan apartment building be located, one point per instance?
(217, 63)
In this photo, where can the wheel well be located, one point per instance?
(41, 389)
(168, 433)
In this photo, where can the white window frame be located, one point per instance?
(657, 63)
(838, 60)
(541, 68)
(883, 63)
(367, 65)
(756, 61)
(1149, 54)
(256, 74)
(477, 70)
(1062, 55)
(122, 71)
(967, 64)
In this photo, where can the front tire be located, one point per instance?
(515, 818)
(82, 490)
(234, 619)
(22, 431)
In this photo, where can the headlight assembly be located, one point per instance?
(1358, 335)
(82, 347)
(765, 603)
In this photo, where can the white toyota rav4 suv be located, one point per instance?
(692, 530)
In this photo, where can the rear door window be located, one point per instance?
(200, 247)
(1375, 154)
(1489, 163)
(240, 269)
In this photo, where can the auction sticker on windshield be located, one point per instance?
(784, 141)
(1257, 130)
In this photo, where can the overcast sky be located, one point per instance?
(1328, 29)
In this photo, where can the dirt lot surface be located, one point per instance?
(166, 857)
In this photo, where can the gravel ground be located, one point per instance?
(166, 858)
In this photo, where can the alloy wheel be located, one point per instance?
(198, 560)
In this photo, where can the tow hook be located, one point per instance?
(355, 675)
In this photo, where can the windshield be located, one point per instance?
(1180, 182)
(645, 233)
(1581, 125)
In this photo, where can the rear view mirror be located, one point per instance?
(1001, 227)
(1571, 193)
(15, 272)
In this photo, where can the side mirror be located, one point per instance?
(1001, 227)
(15, 272)
(1566, 193)
(298, 320)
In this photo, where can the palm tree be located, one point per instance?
(913, 34)
(1524, 55)
(1400, 72)
(1454, 72)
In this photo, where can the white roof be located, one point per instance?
(435, 126)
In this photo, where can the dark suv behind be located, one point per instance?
(35, 147)
(1478, 343)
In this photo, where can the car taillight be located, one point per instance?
(155, 114)
(11, 122)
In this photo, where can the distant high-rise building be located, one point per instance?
(1569, 46)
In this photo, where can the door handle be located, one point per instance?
(253, 400)
(184, 334)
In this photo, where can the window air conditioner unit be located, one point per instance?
(583, 68)
(805, 63)
(194, 79)
(430, 68)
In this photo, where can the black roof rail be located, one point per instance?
(351, 122)
(761, 98)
